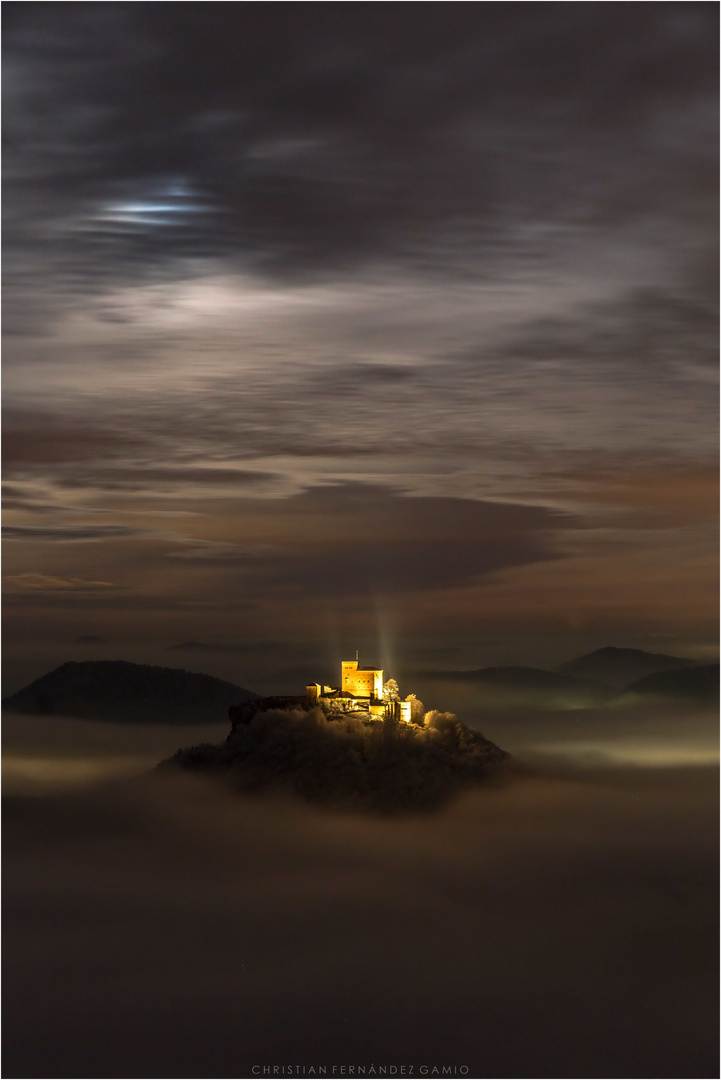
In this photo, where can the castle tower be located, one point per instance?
(361, 682)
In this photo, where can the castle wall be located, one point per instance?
(357, 685)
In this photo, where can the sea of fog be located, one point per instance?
(50, 753)
(560, 924)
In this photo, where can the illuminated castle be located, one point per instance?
(361, 689)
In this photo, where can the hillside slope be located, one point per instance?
(696, 682)
(622, 666)
(128, 693)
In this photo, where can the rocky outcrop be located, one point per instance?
(242, 714)
(346, 761)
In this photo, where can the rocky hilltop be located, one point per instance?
(344, 759)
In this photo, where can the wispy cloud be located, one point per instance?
(71, 534)
(46, 583)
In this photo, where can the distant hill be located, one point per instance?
(129, 693)
(619, 667)
(695, 682)
(525, 687)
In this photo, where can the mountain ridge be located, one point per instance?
(122, 691)
(701, 681)
(619, 666)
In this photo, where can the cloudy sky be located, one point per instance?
(350, 325)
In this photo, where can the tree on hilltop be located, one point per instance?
(391, 691)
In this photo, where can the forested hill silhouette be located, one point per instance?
(619, 667)
(596, 680)
(129, 693)
(696, 682)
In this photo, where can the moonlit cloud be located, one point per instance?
(384, 328)
(472, 262)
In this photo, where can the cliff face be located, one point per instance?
(242, 714)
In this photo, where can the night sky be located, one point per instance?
(338, 326)
(389, 327)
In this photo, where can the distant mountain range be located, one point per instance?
(130, 693)
(619, 667)
(137, 693)
(590, 681)
(694, 682)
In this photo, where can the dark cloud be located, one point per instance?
(34, 440)
(459, 251)
(147, 133)
(71, 534)
(124, 454)
(44, 583)
(387, 566)
(146, 476)
(368, 540)
(211, 551)
(646, 330)
(40, 602)
(17, 498)
(390, 543)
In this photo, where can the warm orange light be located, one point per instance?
(360, 688)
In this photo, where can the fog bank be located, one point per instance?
(562, 926)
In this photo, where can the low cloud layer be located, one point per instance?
(556, 927)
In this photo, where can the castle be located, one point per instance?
(361, 689)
